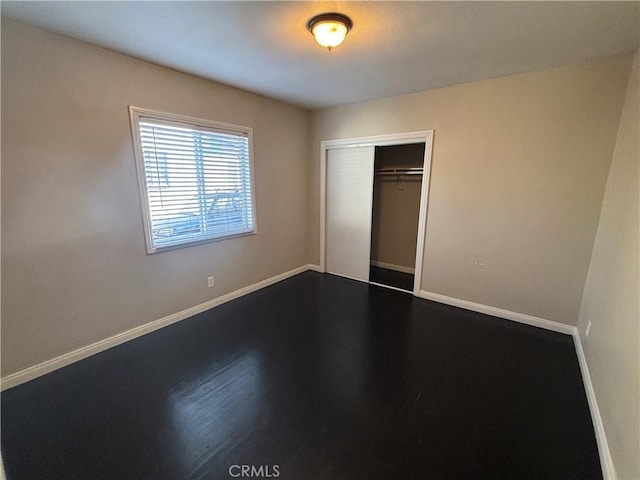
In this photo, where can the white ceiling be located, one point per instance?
(394, 47)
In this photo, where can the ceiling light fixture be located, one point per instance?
(329, 29)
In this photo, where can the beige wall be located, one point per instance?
(611, 295)
(74, 268)
(519, 169)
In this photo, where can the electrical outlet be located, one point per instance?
(211, 281)
(588, 330)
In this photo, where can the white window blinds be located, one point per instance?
(196, 179)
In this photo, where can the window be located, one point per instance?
(195, 179)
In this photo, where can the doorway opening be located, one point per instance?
(397, 189)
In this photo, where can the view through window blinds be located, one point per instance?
(197, 182)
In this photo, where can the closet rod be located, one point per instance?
(399, 171)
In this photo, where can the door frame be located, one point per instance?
(423, 136)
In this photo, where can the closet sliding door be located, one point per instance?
(348, 211)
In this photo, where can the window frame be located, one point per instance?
(136, 114)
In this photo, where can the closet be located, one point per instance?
(374, 203)
(396, 207)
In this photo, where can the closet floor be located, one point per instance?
(391, 278)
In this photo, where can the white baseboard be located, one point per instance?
(391, 266)
(68, 358)
(314, 268)
(499, 312)
(608, 470)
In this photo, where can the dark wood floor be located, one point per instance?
(391, 277)
(322, 377)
